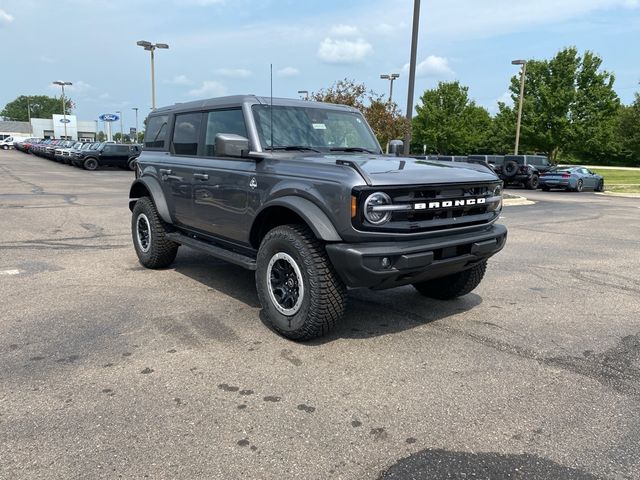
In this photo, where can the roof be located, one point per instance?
(15, 127)
(237, 100)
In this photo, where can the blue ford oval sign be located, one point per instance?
(65, 120)
(109, 117)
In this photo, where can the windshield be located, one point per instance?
(313, 128)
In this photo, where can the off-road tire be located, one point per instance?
(324, 295)
(453, 286)
(161, 251)
(510, 168)
(532, 182)
(90, 163)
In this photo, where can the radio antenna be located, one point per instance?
(271, 106)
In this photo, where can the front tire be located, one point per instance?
(149, 235)
(90, 164)
(453, 286)
(600, 187)
(300, 291)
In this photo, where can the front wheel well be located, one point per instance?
(270, 218)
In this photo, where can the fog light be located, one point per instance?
(385, 262)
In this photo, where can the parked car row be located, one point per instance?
(532, 171)
(88, 155)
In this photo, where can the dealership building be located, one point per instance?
(52, 128)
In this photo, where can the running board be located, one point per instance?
(213, 250)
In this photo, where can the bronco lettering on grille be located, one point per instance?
(450, 204)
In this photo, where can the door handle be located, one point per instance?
(164, 171)
(201, 176)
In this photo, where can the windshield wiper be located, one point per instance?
(352, 149)
(293, 147)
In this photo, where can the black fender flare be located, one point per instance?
(315, 218)
(152, 186)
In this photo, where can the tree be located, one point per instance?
(384, 117)
(569, 106)
(449, 123)
(100, 136)
(41, 106)
(629, 131)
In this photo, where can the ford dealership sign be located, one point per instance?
(109, 117)
(65, 120)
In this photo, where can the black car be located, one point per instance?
(301, 193)
(523, 169)
(108, 154)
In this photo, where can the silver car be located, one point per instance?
(573, 179)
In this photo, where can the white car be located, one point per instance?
(8, 142)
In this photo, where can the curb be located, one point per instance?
(614, 194)
(516, 201)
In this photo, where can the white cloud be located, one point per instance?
(104, 96)
(433, 66)
(288, 72)
(5, 18)
(344, 30)
(180, 80)
(209, 88)
(234, 72)
(46, 59)
(344, 51)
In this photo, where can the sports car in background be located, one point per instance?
(573, 179)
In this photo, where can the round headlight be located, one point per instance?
(497, 191)
(375, 216)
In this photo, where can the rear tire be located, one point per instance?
(300, 291)
(579, 185)
(149, 235)
(453, 286)
(532, 182)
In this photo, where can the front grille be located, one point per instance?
(438, 214)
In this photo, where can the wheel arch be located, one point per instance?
(292, 209)
(149, 187)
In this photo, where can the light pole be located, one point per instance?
(136, 110)
(412, 74)
(119, 113)
(521, 100)
(29, 115)
(151, 47)
(64, 106)
(305, 93)
(391, 77)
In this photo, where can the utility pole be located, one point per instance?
(520, 101)
(412, 74)
(391, 77)
(136, 110)
(64, 105)
(151, 48)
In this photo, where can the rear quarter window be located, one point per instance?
(155, 135)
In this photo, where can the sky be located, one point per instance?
(224, 47)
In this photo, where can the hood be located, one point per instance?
(384, 170)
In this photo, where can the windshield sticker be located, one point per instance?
(319, 126)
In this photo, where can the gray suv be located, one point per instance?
(301, 193)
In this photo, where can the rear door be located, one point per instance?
(222, 185)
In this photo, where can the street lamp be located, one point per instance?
(136, 110)
(305, 93)
(412, 74)
(391, 77)
(521, 100)
(64, 106)
(119, 113)
(151, 47)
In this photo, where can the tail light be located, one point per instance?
(566, 175)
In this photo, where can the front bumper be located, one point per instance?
(361, 264)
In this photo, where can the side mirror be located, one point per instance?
(396, 147)
(231, 145)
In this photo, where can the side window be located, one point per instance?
(108, 148)
(122, 149)
(156, 132)
(544, 161)
(223, 121)
(186, 133)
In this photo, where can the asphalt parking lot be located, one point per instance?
(108, 370)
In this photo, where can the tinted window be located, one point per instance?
(223, 121)
(108, 148)
(156, 131)
(122, 149)
(186, 133)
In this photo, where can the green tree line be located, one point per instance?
(40, 106)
